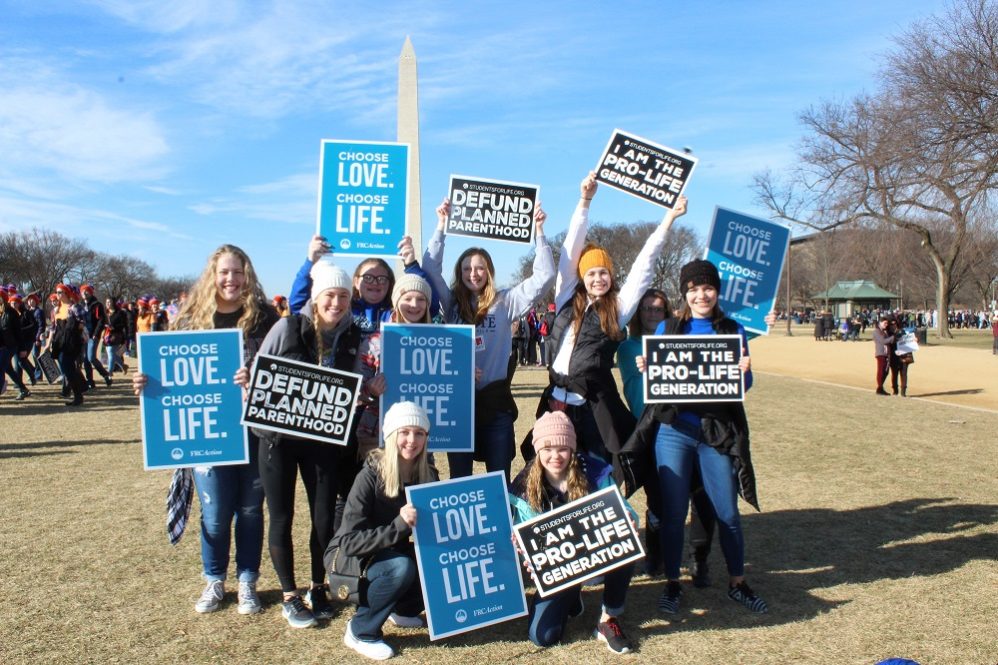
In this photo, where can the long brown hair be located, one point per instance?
(199, 309)
(605, 307)
(578, 485)
(463, 295)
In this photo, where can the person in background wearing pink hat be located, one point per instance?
(559, 474)
(66, 340)
(95, 321)
(144, 319)
(10, 343)
(28, 326)
(589, 326)
(160, 320)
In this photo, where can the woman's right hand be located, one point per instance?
(408, 515)
(317, 247)
(640, 362)
(587, 188)
(139, 381)
(443, 213)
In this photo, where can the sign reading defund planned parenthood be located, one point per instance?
(492, 209)
(467, 564)
(693, 368)
(190, 406)
(579, 541)
(301, 399)
(433, 366)
(363, 189)
(749, 254)
(644, 169)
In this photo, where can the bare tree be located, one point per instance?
(38, 259)
(921, 154)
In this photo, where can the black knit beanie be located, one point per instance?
(696, 273)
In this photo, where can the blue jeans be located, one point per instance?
(228, 492)
(676, 447)
(548, 615)
(495, 439)
(393, 584)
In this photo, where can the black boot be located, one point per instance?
(699, 570)
(653, 548)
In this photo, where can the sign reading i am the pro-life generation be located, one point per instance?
(749, 254)
(492, 209)
(693, 368)
(579, 541)
(363, 190)
(468, 567)
(644, 169)
(433, 366)
(190, 406)
(301, 399)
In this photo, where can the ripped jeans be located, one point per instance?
(227, 493)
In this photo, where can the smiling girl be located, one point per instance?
(592, 312)
(473, 298)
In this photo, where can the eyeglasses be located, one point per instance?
(654, 310)
(374, 279)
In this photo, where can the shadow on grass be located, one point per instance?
(38, 448)
(968, 391)
(793, 554)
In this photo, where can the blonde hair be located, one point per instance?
(578, 484)
(199, 309)
(387, 462)
(463, 295)
(605, 307)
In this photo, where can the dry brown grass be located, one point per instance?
(877, 538)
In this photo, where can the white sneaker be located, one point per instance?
(375, 650)
(406, 622)
(249, 602)
(212, 595)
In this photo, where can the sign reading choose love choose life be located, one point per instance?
(433, 366)
(363, 196)
(190, 408)
(468, 567)
(749, 254)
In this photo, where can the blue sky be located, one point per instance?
(164, 129)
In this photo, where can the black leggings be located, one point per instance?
(279, 467)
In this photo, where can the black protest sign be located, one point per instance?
(492, 209)
(579, 541)
(693, 368)
(49, 369)
(644, 169)
(301, 399)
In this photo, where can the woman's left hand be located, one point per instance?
(771, 319)
(406, 251)
(745, 364)
(408, 515)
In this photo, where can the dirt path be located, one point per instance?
(954, 375)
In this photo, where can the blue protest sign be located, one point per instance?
(190, 408)
(433, 366)
(363, 189)
(749, 254)
(468, 566)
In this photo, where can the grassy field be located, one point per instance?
(877, 538)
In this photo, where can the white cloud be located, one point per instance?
(291, 200)
(49, 124)
(21, 214)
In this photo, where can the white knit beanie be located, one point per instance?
(405, 414)
(326, 275)
(408, 283)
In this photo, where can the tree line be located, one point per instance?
(918, 154)
(36, 260)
